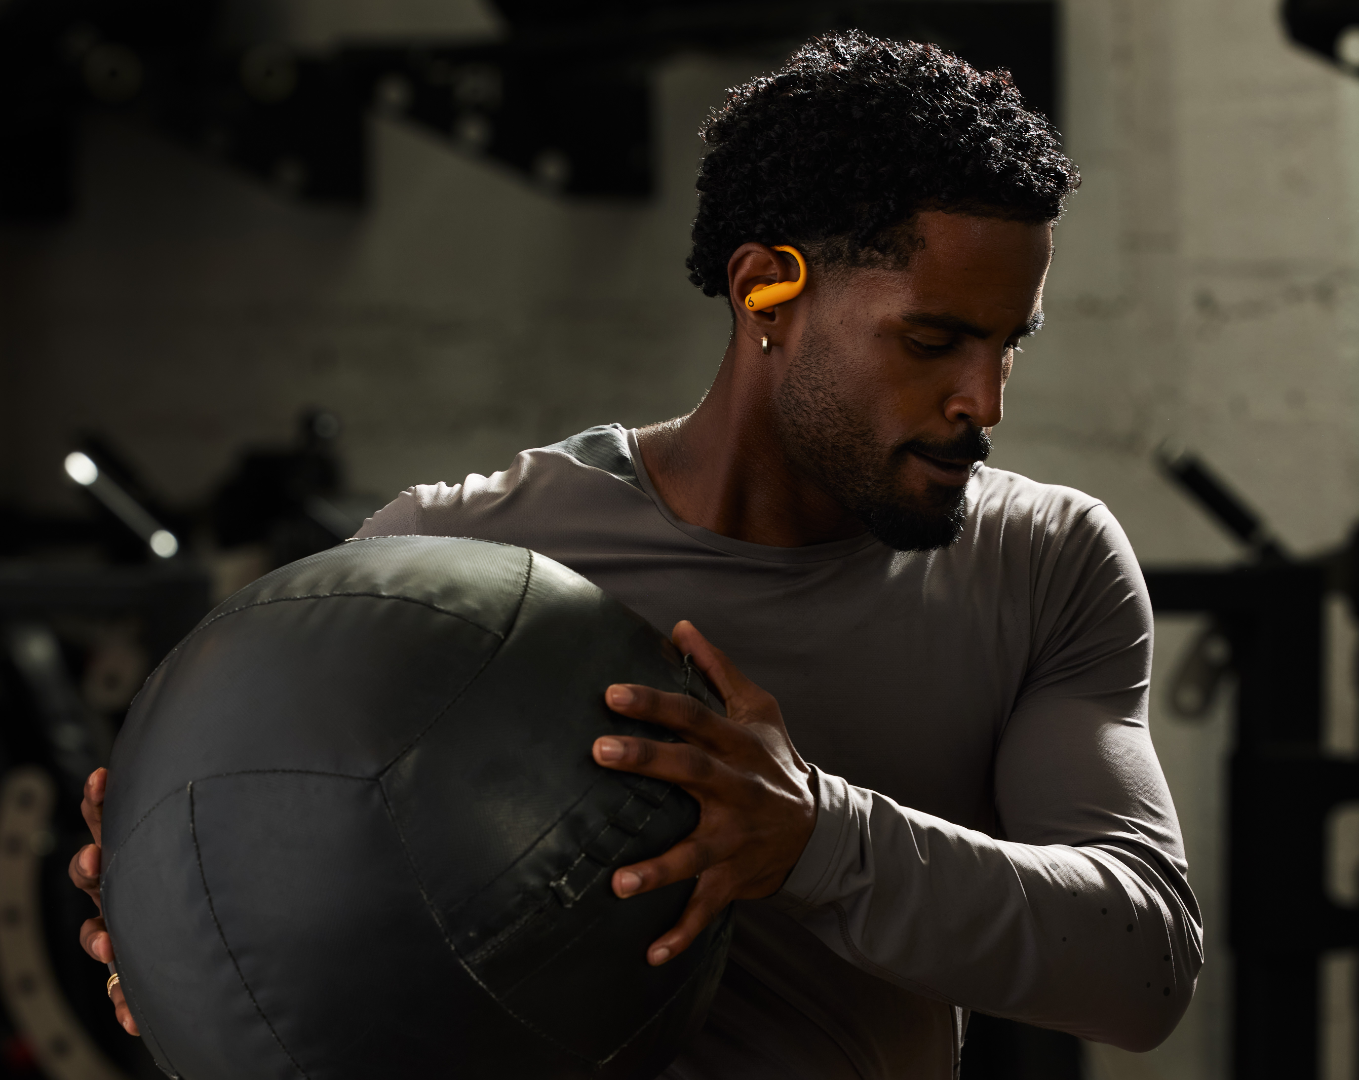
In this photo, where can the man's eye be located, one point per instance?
(930, 346)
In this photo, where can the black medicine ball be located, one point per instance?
(353, 829)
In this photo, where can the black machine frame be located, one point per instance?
(1282, 784)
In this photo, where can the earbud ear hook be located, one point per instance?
(781, 291)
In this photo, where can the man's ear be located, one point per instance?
(755, 268)
(764, 297)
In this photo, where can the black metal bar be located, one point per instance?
(1229, 509)
(1281, 789)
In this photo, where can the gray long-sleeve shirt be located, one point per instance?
(993, 829)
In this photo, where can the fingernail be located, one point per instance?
(620, 695)
(628, 882)
(88, 862)
(609, 749)
(660, 956)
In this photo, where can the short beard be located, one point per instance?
(828, 440)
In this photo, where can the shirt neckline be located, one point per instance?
(810, 553)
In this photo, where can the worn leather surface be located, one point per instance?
(353, 829)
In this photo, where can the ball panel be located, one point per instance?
(196, 1017)
(474, 580)
(338, 684)
(333, 956)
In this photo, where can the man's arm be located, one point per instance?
(1081, 919)
(1096, 940)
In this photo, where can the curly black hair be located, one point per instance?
(836, 153)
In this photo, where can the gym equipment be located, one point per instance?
(353, 829)
(1267, 620)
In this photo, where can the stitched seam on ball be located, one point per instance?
(507, 936)
(356, 593)
(547, 829)
(448, 941)
(488, 949)
(316, 596)
(137, 825)
(608, 824)
(530, 848)
(212, 910)
(563, 948)
(518, 609)
(217, 776)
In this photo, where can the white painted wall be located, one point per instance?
(1204, 291)
(463, 316)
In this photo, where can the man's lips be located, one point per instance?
(945, 470)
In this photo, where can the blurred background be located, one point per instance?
(264, 263)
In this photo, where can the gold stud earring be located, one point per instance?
(764, 344)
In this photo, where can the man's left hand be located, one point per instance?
(756, 808)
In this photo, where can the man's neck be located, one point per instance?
(723, 468)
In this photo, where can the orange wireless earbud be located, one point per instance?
(780, 291)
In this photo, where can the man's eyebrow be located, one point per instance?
(962, 326)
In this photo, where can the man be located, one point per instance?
(963, 654)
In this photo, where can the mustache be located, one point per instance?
(974, 444)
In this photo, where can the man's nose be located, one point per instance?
(977, 397)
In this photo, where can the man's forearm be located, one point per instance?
(1095, 939)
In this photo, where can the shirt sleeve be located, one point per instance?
(1079, 915)
(400, 517)
(477, 506)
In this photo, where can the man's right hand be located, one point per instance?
(94, 935)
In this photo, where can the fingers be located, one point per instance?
(92, 803)
(709, 899)
(686, 860)
(675, 763)
(84, 871)
(124, 1013)
(95, 940)
(678, 712)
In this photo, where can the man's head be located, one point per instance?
(922, 193)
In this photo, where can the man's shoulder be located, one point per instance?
(544, 487)
(603, 447)
(1000, 494)
(1051, 533)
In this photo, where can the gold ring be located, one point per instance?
(108, 986)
